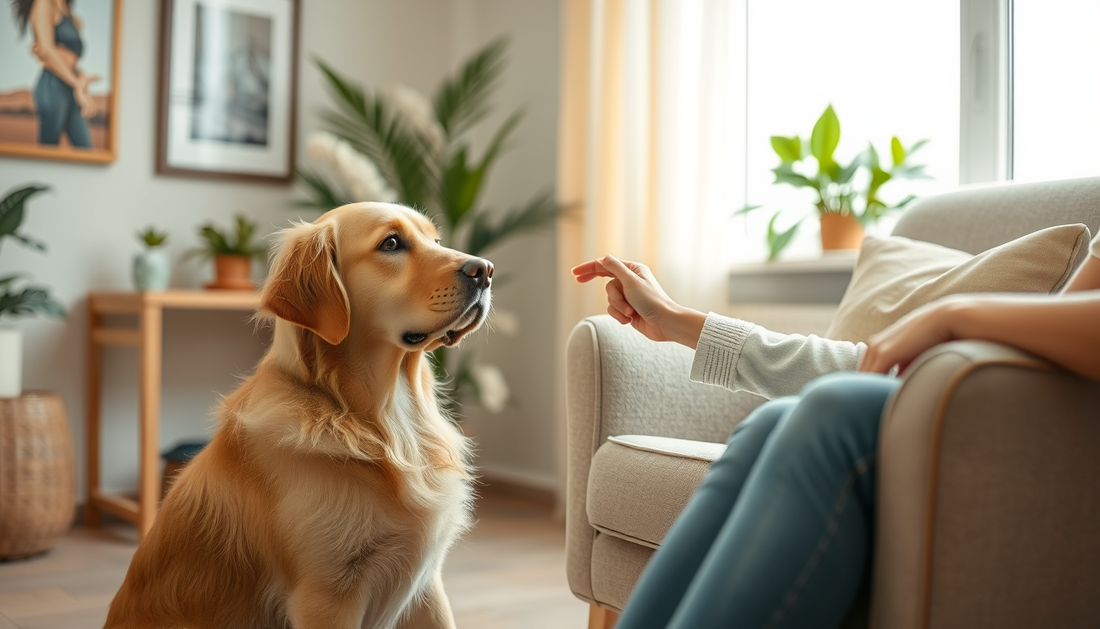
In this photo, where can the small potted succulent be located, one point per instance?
(232, 254)
(151, 266)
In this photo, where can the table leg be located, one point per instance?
(92, 399)
(149, 417)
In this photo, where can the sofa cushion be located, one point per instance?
(894, 276)
(639, 484)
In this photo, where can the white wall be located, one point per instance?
(89, 220)
(519, 443)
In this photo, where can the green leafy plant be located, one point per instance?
(216, 242)
(847, 189)
(16, 297)
(395, 145)
(152, 238)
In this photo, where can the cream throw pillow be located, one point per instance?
(894, 275)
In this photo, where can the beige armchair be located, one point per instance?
(989, 482)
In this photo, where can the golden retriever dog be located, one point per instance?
(334, 485)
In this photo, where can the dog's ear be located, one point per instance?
(304, 287)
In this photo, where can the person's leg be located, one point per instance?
(796, 549)
(661, 586)
(50, 108)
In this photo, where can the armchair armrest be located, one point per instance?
(619, 382)
(989, 493)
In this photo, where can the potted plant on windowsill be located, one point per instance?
(232, 254)
(848, 196)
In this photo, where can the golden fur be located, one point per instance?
(334, 486)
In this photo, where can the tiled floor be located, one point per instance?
(509, 572)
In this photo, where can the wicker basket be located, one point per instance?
(37, 474)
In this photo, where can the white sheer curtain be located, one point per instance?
(652, 145)
(651, 151)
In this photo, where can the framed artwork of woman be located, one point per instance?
(59, 79)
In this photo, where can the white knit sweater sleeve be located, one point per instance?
(742, 356)
(1094, 248)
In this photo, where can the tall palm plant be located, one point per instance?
(395, 145)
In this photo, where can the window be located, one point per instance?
(888, 67)
(1056, 89)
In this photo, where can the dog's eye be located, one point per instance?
(391, 243)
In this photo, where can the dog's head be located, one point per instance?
(379, 270)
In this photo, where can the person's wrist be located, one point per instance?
(685, 325)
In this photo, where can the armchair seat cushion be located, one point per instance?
(638, 484)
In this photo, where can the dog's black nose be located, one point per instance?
(480, 270)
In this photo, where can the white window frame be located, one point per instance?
(985, 110)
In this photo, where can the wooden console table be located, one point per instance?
(147, 338)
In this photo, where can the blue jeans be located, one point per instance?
(58, 113)
(779, 533)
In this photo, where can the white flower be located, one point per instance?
(358, 173)
(417, 112)
(504, 321)
(491, 386)
(321, 146)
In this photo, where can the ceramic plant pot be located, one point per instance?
(232, 273)
(151, 270)
(11, 362)
(840, 231)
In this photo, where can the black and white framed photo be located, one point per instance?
(228, 89)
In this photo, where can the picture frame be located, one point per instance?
(40, 116)
(227, 106)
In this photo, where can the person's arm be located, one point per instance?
(732, 353)
(1088, 276)
(743, 356)
(42, 18)
(1064, 329)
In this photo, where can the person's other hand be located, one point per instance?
(909, 337)
(635, 296)
(85, 102)
(83, 99)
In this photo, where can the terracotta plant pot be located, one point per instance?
(231, 273)
(840, 231)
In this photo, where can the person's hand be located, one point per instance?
(910, 336)
(83, 99)
(85, 102)
(634, 296)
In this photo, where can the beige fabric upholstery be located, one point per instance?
(989, 482)
(896, 275)
(989, 491)
(620, 383)
(616, 566)
(638, 484)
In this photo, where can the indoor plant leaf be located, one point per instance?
(324, 196)
(778, 241)
(462, 101)
(825, 137)
(897, 151)
(487, 231)
(789, 150)
(11, 215)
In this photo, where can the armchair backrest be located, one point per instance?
(978, 218)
